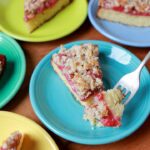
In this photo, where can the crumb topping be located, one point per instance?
(94, 112)
(140, 6)
(33, 7)
(80, 64)
(106, 108)
(12, 142)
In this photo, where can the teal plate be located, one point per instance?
(57, 108)
(14, 73)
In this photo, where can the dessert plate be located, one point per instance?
(57, 108)
(36, 138)
(64, 23)
(14, 73)
(124, 34)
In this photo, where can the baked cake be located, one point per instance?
(2, 63)
(13, 142)
(79, 68)
(106, 109)
(36, 12)
(131, 12)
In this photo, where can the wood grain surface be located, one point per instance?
(34, 52)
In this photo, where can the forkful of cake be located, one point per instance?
(130, 82)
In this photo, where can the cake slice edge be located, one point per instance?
(115, 16)
(46, 15)
(58, 71)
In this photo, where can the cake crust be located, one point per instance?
(130, 12)
(115, 16)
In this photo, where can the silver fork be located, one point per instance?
(131, 81)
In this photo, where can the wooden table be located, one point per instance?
(34, 52)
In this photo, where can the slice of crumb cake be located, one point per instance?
(37, 12)
(79, 68)
(106, 109)
(13, 142)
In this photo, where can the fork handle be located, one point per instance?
(146, 58)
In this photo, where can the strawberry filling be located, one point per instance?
(131, 11)
(69, 78)
(110, 119)
(45, 5)
(71, 83)
(137, 8)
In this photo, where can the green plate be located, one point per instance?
(14, 73)
(65, 22)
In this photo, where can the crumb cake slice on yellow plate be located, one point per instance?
(36, 12)
(130, 12)
(79, 68)
(13, 142)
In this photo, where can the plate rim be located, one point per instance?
(21, 117)
(109, 35)
(45, 38)
(22, 74)
(62, 133)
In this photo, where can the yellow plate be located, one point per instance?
(36, 138)
(64, 23)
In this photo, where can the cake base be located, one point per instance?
(41, 18)
(115, 16)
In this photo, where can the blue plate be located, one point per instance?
(128, 35)
(57, 108)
